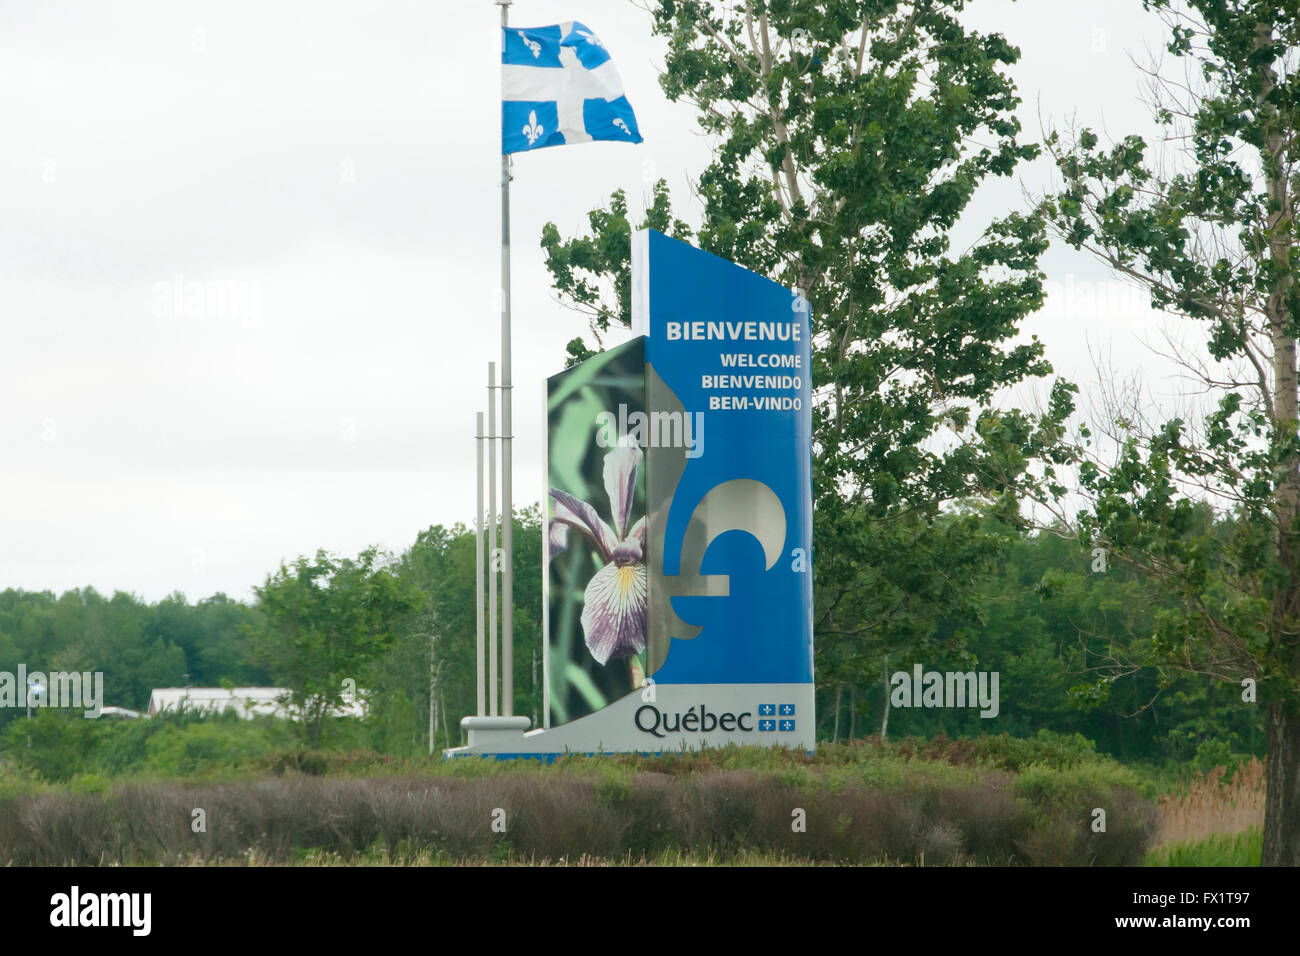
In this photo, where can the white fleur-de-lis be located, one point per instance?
(618, 121)
(532, 45)
(533, 129)
(590, 38)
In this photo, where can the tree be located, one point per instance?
(1210, 232)
(323, 621)
(441, 632)
(850, 138)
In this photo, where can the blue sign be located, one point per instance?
(678, 523)
(728, 367)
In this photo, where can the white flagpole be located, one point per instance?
(479, 676)
(546, 564)
(492, 538)
(507, 505)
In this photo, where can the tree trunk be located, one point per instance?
(1282, 801)
(853, 713)
(839, 698)
(884, 721)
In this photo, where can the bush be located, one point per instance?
(64, 746)
(183, 750)
(568, 812)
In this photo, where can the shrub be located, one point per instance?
(570, 814)
(187, 749)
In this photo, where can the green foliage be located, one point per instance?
(440, 633)
(1222, 849)
(1050, 624)
(137, 646)
(60, 747)
(1210, 233)
(1209, 228)
(1041, 617)
(1082, 787)
(589, 273)
(315, 623)
(50, 744)
(183, 750)
(323, 621)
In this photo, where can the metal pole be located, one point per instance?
(507, 503)
(492, 538)
(433, 691)
(480, 674)
(546, 566)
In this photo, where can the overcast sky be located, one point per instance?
(334, 165)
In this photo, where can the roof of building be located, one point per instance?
(246, 701)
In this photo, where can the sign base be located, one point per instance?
(681, 717)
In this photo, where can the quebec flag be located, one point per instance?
(558, 86)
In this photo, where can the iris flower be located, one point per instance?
(614, 605)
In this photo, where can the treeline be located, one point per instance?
(137, 646)
(401, 628)
(1051, 621)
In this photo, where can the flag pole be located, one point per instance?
(479, 675)
(492, 539)
(507, 434)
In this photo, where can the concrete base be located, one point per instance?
(495, 733)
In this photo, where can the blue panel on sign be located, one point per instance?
(767, 725)
(730, 549)
(787, 710)
(766, 710)
(787, 726)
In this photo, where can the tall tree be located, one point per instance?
(325, 620)
(1208, 228)
(851, 136)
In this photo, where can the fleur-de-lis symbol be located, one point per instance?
(590, 38)
(618, 121)
(532, 45)
(533, 129)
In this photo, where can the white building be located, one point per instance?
(247, 702)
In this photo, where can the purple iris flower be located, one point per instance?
(614, 605)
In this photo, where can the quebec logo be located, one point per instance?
(768, 719)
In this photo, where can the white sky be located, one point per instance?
(336, 164)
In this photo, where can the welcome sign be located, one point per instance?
(678, 581)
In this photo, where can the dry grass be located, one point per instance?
(706, 818)
(1216, 803)
(429, 859)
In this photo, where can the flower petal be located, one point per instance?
(613, 612)
(582, 516)
(620, 470)
(637, 534)
(557, 538)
